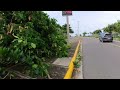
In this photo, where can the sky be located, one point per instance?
(86, 21)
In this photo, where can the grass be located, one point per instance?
(118, 39)
(95, 35)
(77, 61)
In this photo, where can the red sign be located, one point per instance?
(66, 13)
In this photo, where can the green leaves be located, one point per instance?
(34, 66)
(20, 15)
(97, 31)
(65, 28)
(77, 61)
(19, 41)
(33, 45)
(84, 33)
(115, 27)
(34, 36)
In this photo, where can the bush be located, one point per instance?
(77, 61)
(30, 37)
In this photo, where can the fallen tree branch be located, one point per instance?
(49, 76)
(5, 75)
(21, 75)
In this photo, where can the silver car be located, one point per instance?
(106, 37)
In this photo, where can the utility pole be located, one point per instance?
(68, 36)
(67, 14)
(78, 29)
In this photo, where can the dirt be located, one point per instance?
(57, 72)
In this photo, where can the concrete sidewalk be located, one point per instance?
(66, 60)
(63, 61)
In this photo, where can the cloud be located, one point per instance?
(111, 12)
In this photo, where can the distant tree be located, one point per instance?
(97, 31)
(84, 34)
(112, 28)
(109, 28)
(65, 28)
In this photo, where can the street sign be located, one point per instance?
(66, 13)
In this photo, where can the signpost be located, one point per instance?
(67, 13)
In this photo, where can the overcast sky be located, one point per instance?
(88, 20)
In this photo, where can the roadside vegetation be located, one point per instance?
(111, 28)
(28, 39)
(77, 61)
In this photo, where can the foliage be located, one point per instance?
(97, 31)
(77, 61)
(111, 28)
(30, 37)
(65, 28)
(84, 33)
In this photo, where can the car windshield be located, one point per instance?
(108, 35)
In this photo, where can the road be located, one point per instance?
(100, 60)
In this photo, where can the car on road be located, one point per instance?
(105, 37)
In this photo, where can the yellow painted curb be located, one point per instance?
(68, 75)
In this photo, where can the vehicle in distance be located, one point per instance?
(105, 37)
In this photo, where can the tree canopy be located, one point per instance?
(65, 29)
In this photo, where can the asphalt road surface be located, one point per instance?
(100, 60)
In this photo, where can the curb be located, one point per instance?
(69, 72)
(79, 71)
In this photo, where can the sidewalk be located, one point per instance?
(65, 61)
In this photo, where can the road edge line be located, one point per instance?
(81, 69)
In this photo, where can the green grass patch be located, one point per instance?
(77, 61)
